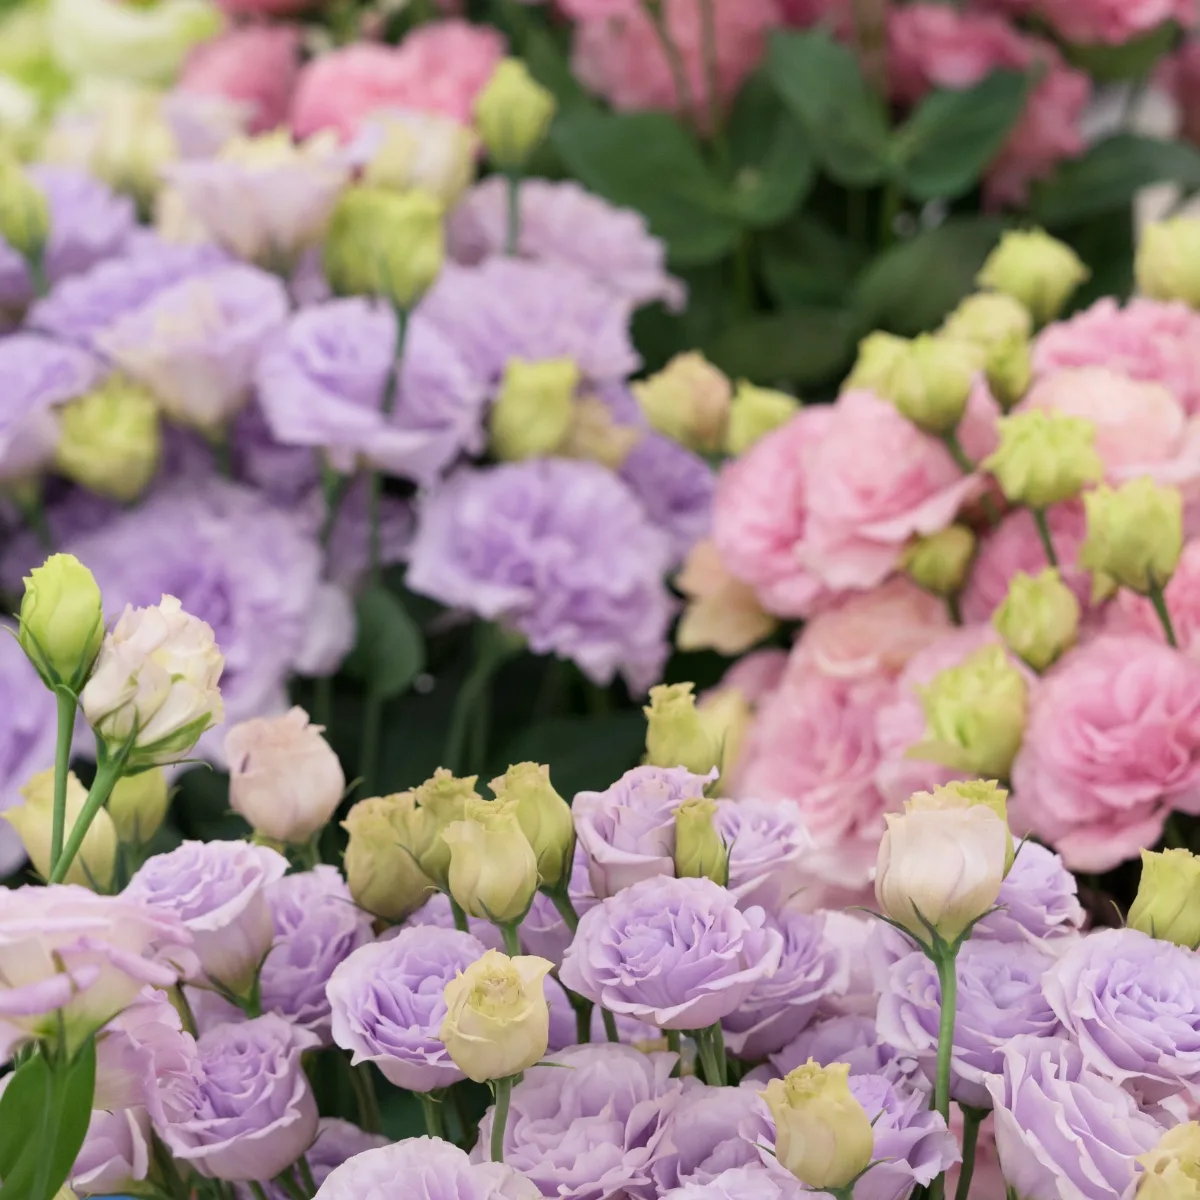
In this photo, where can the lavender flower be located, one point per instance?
(559, 550)
(675, 486)
(543, 932)
(1038, 900)
(850, 1039)
(337, 1142)
(767, 842)
(436, 913)
(752, 1182)
(115, 1155)
(709, 1131)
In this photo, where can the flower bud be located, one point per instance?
(497, 1021)
(493, 870)
(441, 800)
(1134, 533)
(988, 318)
(879, 356)
(1171, 1171)
(677, 735)
(94, 864)
(62, 621)
(942, 861)
(138, 805)
(722, 612)
(931, 384)
(154, 690)
(24, 215)
(939, 562)
(1167, 904)
(1168, 260)
(513, 114)
(1039, 618)
(545, 819)
(1009, 370)
(699, 851)
(1036, 269)
(428, 151)
(384, 244)
(755, 412)
(688, 400)
(381, 861)
(975, 715)
(593, 435)
(727, 713)
(1044, 457)
(822, 1134)
(532, 413)
(109, 440)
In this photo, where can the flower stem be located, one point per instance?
(512, 237)
(364, 1095)
(1159, 600)
(562, 901)
(960, 456)
(972, 1117)
(675, 63)
(460, 917)
(306, 1175)
(62, 765)
(675, 1046)
(1043, 528)
(375, 478)
(512, 943)
(583, 1015)
(368, 754)
(948, 981)
(433, 1115)
(710, 1045)
(108, 772)
(500, 1116)
(610, 1025)
(257, 1189)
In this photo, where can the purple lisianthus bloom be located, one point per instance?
(252, 1111)
(1062, 1129)
(196, 344)
(388, 1004)
(322, 379)
(591, 1130)
(779, 1006)
(218, 891)
(317, 926)
(709, 1131)
(436, 913)
(562, 222)
(285, 474)
(627, 832)
(751, 1182)
(559, 550)
(337, 1142)
(675, 487)
(676, 953)
(116, 1151)
(1132, 1003)
(88, 223)
(848, 1039)
(543, 931)
(767, 842)
(1038, 900)
(424, 1168)
(1000, 997)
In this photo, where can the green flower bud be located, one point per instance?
(386, 834)
(1168, 260)
(138, 805)
(699, 851)
(939, 562)
(1044, 457)
(62, 621)
(1134, 533)
(440, 801)
(677, 735)
(1039, 618)
(544, 816)
(879, 355)
(1009, 370)
(987, 318)
(1167, 904)
(754, 413)
(532, 415)
(24, 215)
(493, 870)
(932, 383)
(513, 114)
(1036, 269)
(688, 400)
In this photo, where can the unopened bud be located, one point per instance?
(1039, 618)
(513, 114)
(532, 414)
(1134, 533)
(1036, 269)
(939, 562)
(699, 851)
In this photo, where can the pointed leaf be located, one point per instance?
(390, 651)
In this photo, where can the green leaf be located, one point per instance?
(647, 162)
(943, 148)
(1110, 174)
(549, 66)
(390, 651)
(583, 753)
(912, 286)
(1130, 60)
(842, 117)
(805, 262)
(806, 346)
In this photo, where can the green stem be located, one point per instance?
(375, 478)
(583, 1015)
(512, 943)
(948, 980)
(62, 765)
(889, 209)
(610, 1025)
(954, 608)
(107, 773)
(285, 1180)
(460, 917)
(368, 754)
(562, 901)
(674, 1044)
(433, 1115)
(257, 1190)
(1043, 528)
(972, 1118)
(490, 652)
(364, 1095)
(1159, 600)
(306, 1175)
(333, 485)
(960, 456)
(512, 238)
(500, 1116)
(678, 68)
(710, 1044)
(322, 713)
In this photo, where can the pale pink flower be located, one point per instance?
(1112, 22)
(1179, 76)
(722, 613)
(1132, 614)
(756, 675)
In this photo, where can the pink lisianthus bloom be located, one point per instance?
(1179, 76)
(1112, 22)
(1132, 614)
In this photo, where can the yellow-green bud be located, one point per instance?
(986, 318)
(677, 735)
(727, 713)
(513, 114)
(975, 715)
(544, 816)
(532, 414)
(1009, 370)
(939, 562)
(381, 243)
(62, 621)
(24, 215)
(1171, 1171)
(138, 805)
(932, 383)
(493, 870)
(596, 437)
(110, 439)
(1168, 260)
(1039, 618)
(386, 834)
(967, 793)
(1134, 533)
(1044, 457)
(699, 851)
(440, 800)
(689, 401)
(1036, 269)
(1167, 904)
(879, 355)
(755, 412)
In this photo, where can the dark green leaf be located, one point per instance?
(583, 753)
(390, 651)
(201, 807)
(912, 286)
(646, 161)
(945, 145)
(549, 66)
(1130, 60)
(1110, 174)
(1106, 245)
(842, 117)
(806, 262)
(805, 346)
(24, 1097)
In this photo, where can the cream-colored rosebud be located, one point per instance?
(1167, 266)
(930, 386)
(677, 735)
(497, 1021)
(879, 355)
(284, 777)
(1167, 904)
(427, 151)
(1009, 370)
(62, 621)
(441, 800)
(532, 413)
(942, 861)
(381, 864)
(544, 816)
(688, 400)
(138, 805)
(93, 866)
(1171, 1171)
(24, 215)
(753, 413)
(823, 1134)
(154, 688)
(513, 114)
(975, 715)
(700, 852)
(1036, 269)
(1044, 457)
(109, 440)
(1039, 618)
(988, 319)
(939, 562)
(595, 436)
(722, 612)
(1134, 533)
(493, 870)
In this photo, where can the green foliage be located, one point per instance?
(390, 651)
